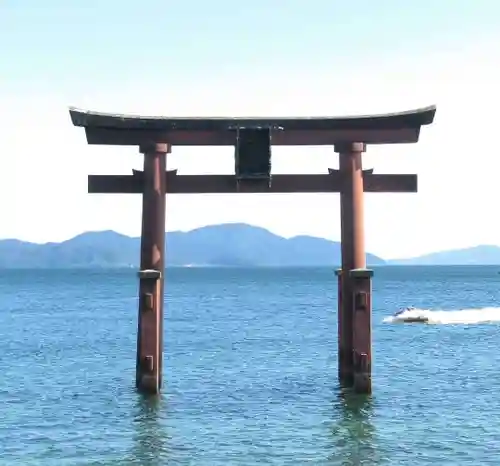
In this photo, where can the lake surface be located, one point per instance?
(250, 370)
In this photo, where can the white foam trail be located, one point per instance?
(462, 316)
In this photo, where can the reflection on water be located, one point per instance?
(353, 434)
(150, 438)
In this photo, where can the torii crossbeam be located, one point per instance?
(253, 139)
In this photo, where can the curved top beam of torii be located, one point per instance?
(116, 129)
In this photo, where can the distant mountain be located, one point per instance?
(478, 255)
(233, 244)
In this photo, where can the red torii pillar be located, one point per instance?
(152, 268)
(354, 319)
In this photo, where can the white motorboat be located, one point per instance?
(411, 315)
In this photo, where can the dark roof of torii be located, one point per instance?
(408, 119)
(114, 129)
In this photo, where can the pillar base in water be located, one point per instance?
(361, 286)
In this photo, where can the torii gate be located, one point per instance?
(253, 139)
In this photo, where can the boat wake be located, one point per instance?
(462, 316)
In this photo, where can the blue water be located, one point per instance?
(250, 371)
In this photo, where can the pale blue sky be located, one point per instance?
(252, 58)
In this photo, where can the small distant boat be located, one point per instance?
(411, 315)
